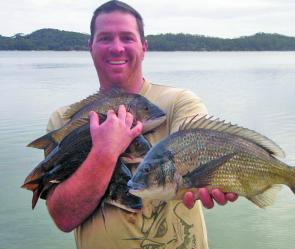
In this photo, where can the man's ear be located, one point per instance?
(145, 46)
(90, 45)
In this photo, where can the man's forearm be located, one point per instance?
(73, 200)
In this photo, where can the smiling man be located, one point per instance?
(117, 51)
(117, 46)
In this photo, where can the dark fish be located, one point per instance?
(142, 109)
(118, 194)
(213, 154)
(66, 157)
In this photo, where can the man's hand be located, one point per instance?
(115, 134)
(207, 197)
(74, 199)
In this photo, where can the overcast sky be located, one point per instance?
(219, 18)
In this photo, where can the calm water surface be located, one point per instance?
(255, 90)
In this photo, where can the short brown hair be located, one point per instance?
(115, 5)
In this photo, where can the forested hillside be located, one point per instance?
(53, 39)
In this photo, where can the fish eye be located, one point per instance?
(146, 108)
(146, 170)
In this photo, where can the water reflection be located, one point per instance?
(255, 90)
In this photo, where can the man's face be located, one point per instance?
(117, 51)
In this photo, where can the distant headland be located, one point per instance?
(59, 40)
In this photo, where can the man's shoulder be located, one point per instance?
(56, 119)
(167, 93)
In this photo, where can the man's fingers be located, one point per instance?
(122, 112)
(93, 120)
(205, 198)
(111, 113)
(189, 200)
(219, 196)
(231, 196)
(136, 130)
(129, 119)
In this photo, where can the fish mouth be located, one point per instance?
(153, 122)
(134, 186)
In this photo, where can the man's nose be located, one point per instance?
(117, 46)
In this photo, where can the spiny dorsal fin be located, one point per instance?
(266, 198)
(61, 133)
(80, 104)
(74, 108)
(208, 123)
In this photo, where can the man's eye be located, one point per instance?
(104, 38)
(128, 39)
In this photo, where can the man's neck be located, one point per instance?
(131, 88)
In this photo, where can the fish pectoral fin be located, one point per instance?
(201, 176)
(267, 197)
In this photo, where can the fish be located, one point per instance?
(68, 155)
(141, 108)
(207, 152)
(117, 193)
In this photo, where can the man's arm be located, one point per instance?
(73, 200)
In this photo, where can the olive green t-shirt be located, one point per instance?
(160, 224)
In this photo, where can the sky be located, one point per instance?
(217, 18)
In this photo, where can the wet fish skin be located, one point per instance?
(142, 109)
(204, 157)
(118, 194)
(65, 158)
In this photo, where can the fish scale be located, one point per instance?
(217, 155)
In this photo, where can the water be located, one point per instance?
(255, 90)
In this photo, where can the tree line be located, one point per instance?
(53, 39)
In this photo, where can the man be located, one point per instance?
(117, 46)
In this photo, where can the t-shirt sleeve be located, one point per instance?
(56, 119)
(187, 105)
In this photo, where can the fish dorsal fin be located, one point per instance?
(266, 198)
(74, 108)
(61, 133)
(208, 123)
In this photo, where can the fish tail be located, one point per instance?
(32, 185)
(33, 180)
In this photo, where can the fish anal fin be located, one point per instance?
(201, 176)
(35, 198)
(267, 197)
